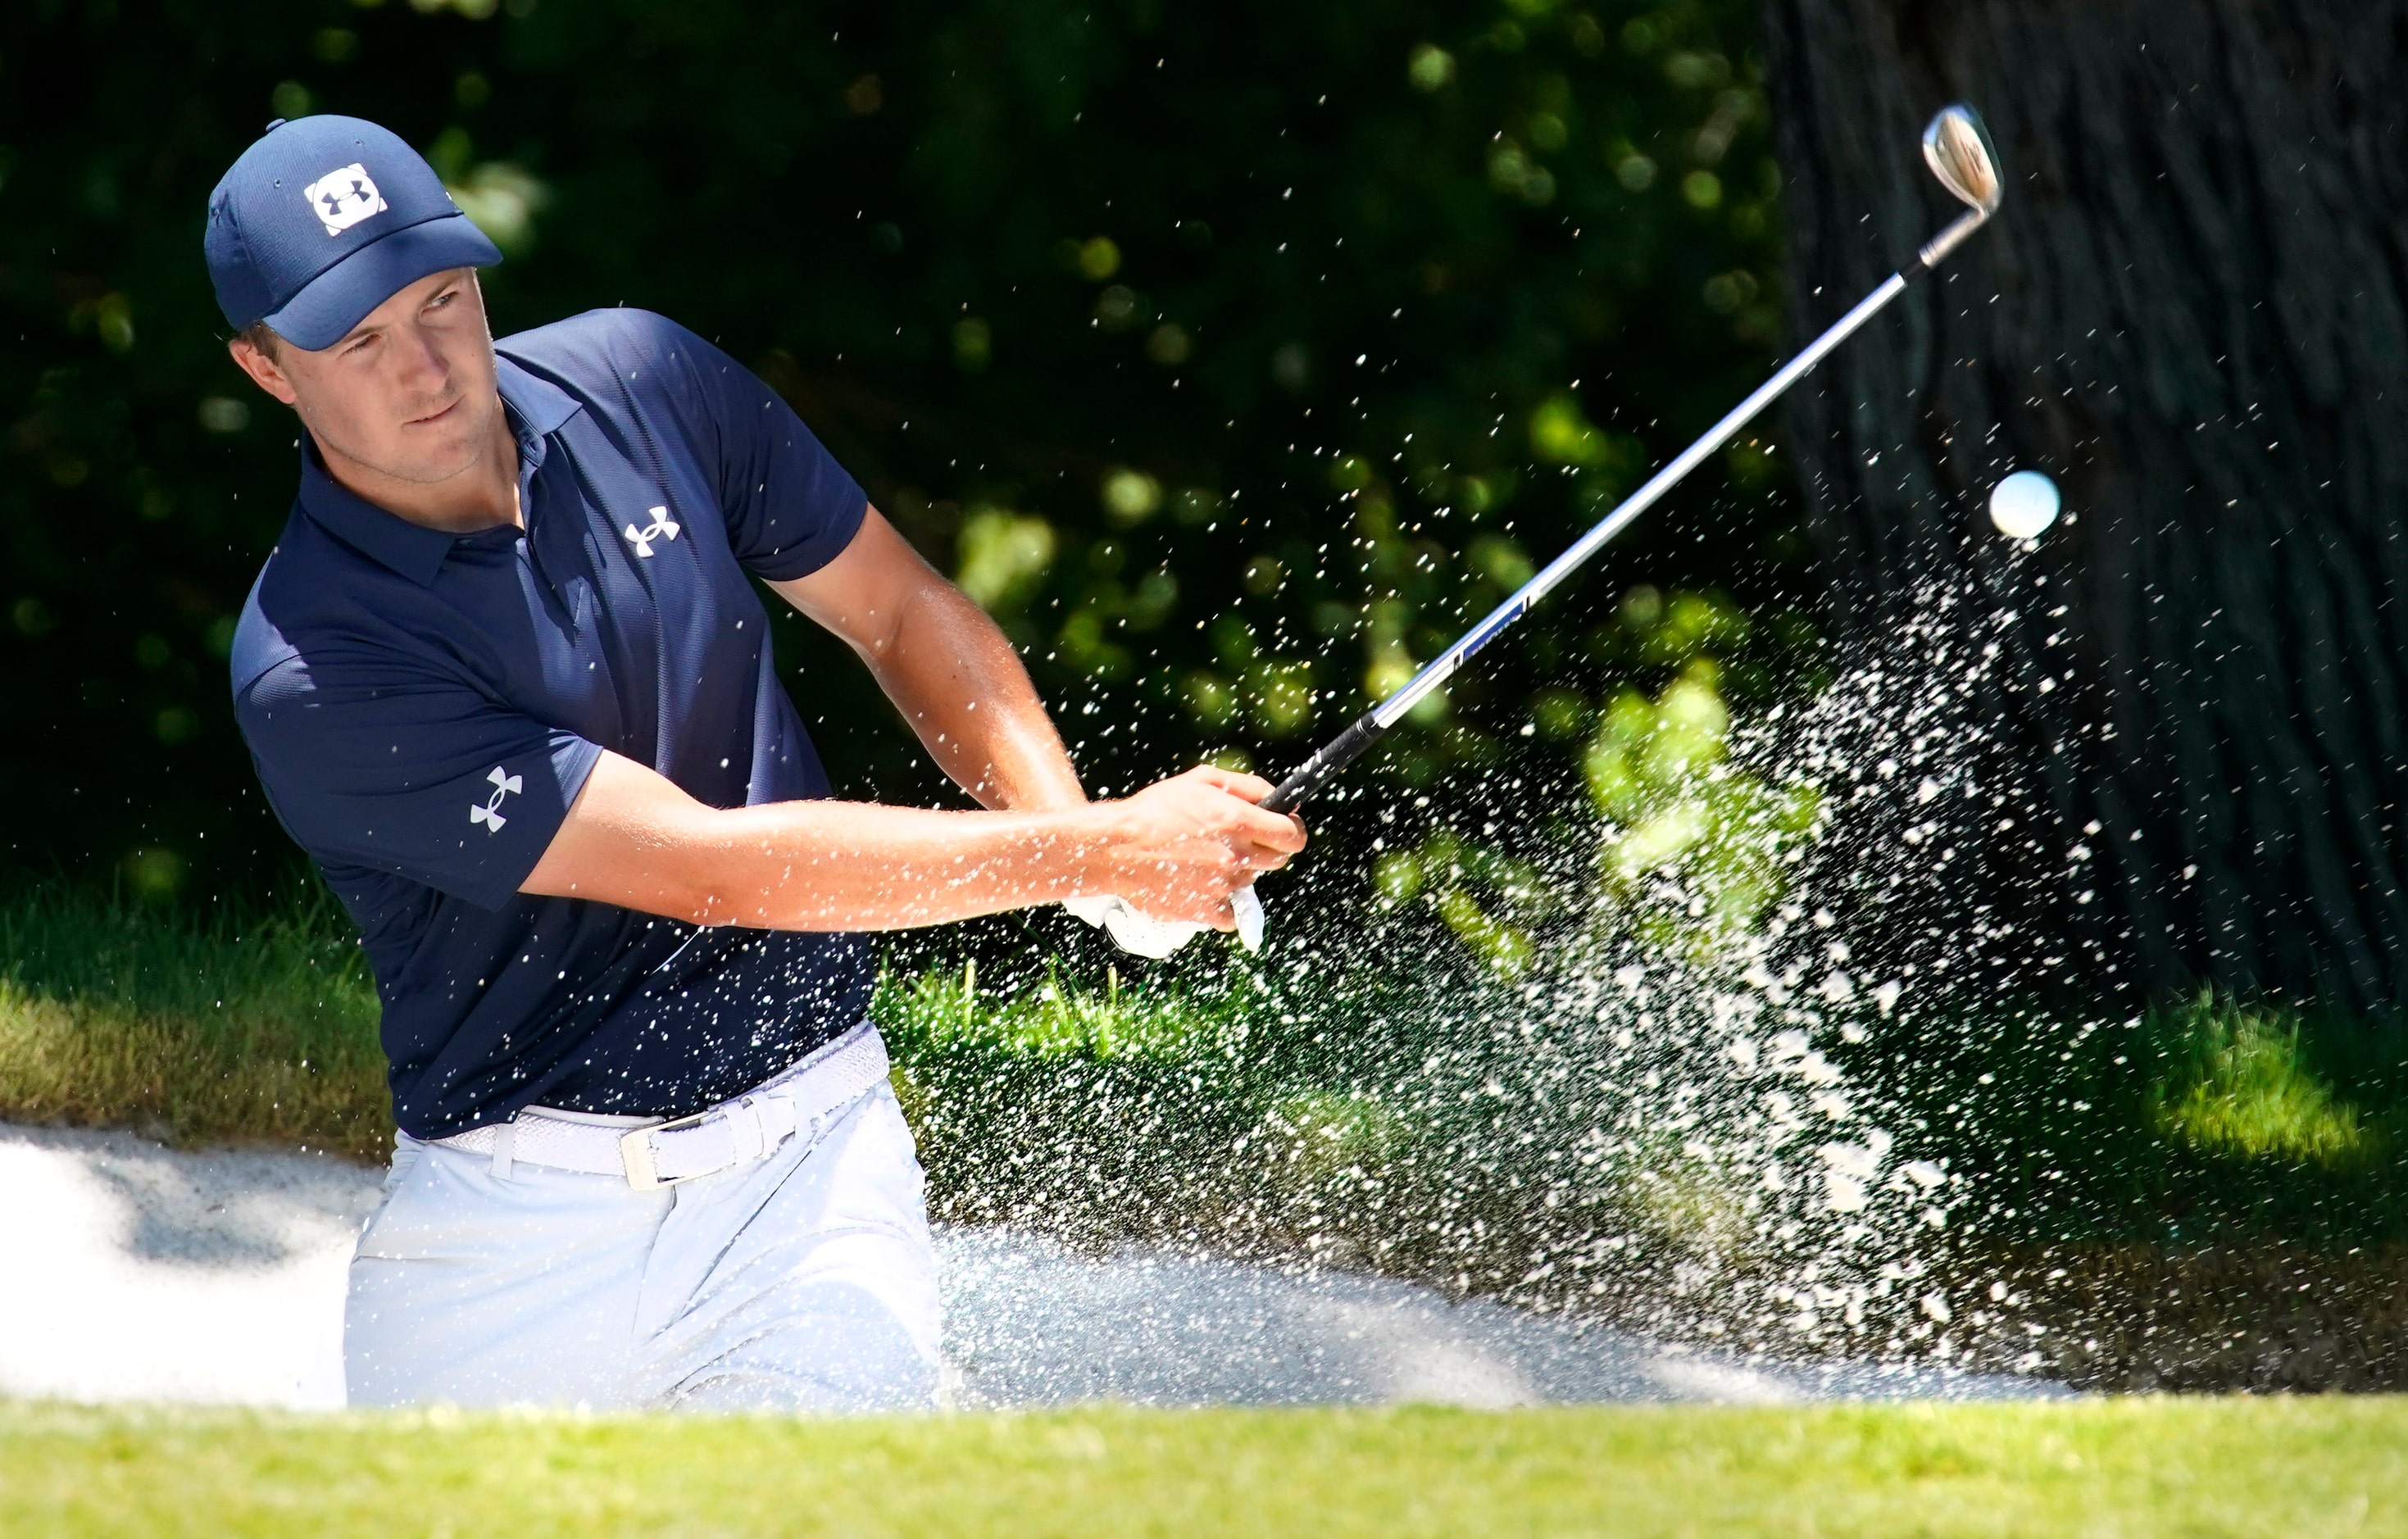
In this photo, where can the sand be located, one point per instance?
(138, 1273)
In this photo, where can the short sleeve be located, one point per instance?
(790, 507)
(403, 770)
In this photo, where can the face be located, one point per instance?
(409, 396)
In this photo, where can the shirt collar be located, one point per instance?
(537, 408)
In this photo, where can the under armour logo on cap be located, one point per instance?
(302, 237)
(490, 813)
(342, 198)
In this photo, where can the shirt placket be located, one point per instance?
(557, 563)
(631, 610)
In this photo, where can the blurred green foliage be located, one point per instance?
(1488, 899)
(1237, 359)
(2246, 1089)
(1693, 850)
(2206, 1121)
(1696, 849)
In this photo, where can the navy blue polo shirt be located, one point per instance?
(422, 708)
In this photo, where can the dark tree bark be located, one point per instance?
(2193, 312)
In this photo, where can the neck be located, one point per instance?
(480, 495)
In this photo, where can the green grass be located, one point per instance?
(2210, 1121)
(2240, 1467)
(255, 1027)
(1096, 1113)
(1049, 1020)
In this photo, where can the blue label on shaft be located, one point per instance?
(1490, 627)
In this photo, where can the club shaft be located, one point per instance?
(1391, 710)
(1366, 730)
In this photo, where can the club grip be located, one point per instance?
(1335, 755)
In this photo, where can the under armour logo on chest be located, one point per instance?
(664, 527)
(490, 813)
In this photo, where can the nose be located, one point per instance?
(420, 365)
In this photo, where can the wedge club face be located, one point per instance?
(1957, 149)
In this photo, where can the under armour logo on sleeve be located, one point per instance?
(490, 813)
(663, 527)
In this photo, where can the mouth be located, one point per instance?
(432, 418)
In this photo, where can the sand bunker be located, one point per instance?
(137, 1273)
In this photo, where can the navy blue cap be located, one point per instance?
(323, 219)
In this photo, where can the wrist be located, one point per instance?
(1068, 798)
(1081, 845)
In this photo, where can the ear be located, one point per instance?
(262, 370)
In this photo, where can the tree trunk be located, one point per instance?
(2190, 312)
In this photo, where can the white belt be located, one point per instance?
(684, 1148)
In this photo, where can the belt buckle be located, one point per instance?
(635, 1152)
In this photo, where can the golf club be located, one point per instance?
(1957, 149)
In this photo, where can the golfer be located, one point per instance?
(507, 679)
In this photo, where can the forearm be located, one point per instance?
(1177, 849)
(855, 865)
(634, 840)
(953, 674)
(947, 667)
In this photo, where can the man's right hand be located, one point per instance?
(1178, 849)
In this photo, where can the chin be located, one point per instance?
(440, 453)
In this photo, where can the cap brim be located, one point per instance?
(339, 298)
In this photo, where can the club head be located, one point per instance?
(1957, 149)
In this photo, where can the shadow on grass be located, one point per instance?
(2212, 1120)
(2209, 1195)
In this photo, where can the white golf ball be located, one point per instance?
(2023, 505)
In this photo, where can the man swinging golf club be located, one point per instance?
(505, 678)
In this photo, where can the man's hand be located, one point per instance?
(1180, 848)
(1167, 814)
